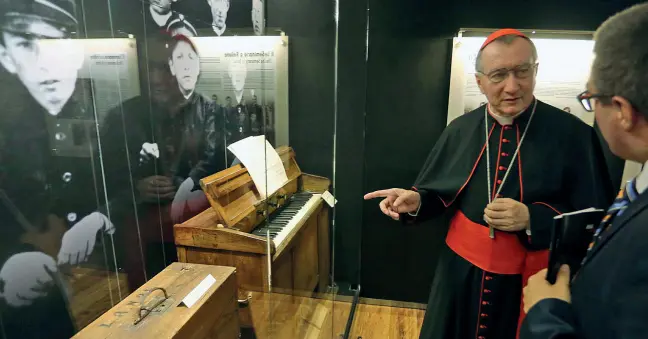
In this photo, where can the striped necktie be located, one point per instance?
(627, 195)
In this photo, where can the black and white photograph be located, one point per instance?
(241, 73)
(161, 145)
(207, 17)
(52, 220)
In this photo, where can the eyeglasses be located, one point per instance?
(586, 97)
(520, 72)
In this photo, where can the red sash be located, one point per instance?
(502, 255)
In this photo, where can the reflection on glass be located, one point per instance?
(50, 210)
(104, 142)
(167, 144)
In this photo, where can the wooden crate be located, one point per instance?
(214, 315)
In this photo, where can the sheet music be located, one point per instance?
(262, 162)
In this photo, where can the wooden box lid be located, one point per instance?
(169, 318)
(237, 202)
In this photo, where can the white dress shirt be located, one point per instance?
(219, 31)
(642, 179)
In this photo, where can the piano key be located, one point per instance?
(301, 212)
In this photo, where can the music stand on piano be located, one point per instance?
(233, 231)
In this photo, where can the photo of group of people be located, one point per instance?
(90, 197)
(207, 17)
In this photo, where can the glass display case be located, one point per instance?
(139, 139)
(136, 134)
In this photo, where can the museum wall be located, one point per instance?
(407, 91)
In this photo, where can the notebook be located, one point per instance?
(571, 234)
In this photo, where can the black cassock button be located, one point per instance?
(67, 177)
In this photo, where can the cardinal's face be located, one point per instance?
(509, 76)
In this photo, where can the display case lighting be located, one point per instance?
(537, 33)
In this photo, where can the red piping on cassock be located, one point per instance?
(517, 127)
(447, 204)
(499, 154)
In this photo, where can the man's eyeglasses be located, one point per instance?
(520, 72)
(586, 98)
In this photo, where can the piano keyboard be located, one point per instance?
(282, 223)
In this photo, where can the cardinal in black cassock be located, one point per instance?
(559, 168)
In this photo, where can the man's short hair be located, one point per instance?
(507, 39)
(621, 63)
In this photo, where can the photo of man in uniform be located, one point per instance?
(238, 116)
(256, 116)
(49, 212)
(237, 71)
(164, 19)
(161, 12)
(219, 9)
(258, 17)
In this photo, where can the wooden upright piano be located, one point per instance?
(294, 258)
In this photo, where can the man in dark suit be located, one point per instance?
(608, 298)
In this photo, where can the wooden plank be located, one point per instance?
(94, 291)
(283, 271)
(220, 239)
(373, 321)
(251, 268)
(285, 316)
(182, 253)
(288, 240)
(305, 257)
(173, 320)
(324, 248)
(314, 183)
(222, 319)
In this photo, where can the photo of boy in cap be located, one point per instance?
(49, 198)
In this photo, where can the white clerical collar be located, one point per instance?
(239, 97)
(187, 96)
(503, 120)
(160, 19)
(219, 31)
(642, 179)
